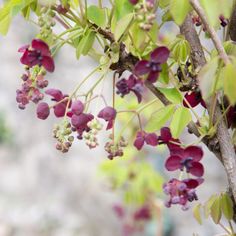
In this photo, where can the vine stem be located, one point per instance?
(215, 38)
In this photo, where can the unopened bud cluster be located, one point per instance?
(30, 88)
(46, 22)
(115, 149)
(62, 132)
(145, 14)
(91, 136)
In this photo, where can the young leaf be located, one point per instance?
(216, 212)
(85, 43)
(227, 206)
(97, 15)
(229, 77)
(179, 10)
(197, 213)
(208, 204)
(159, 118)
(207, 77)
(122, 26)
(172, 94)
(181, 118)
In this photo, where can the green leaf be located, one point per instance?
(122, 8)
(227, 206)
(122, 26)
(229, 79)
(172, 94)
(85, 43)
(214, 8)
(216, 210)
(164, 3)
(5, 24)
(208, 204)
(97, 15)
(164, 75)
(197, 213)
(179, 9)
(181, 118)
(207, 77)
(159, 118)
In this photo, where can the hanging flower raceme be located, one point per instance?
(38, 53)
(132, 84)
(193, 98)
(181, 191)
(152, 67)
(186, 159)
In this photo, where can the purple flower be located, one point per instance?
(43, 111)
(143, 137)
(109, 115)
(187, 159)
(61, 103)
(132, 84)
(194, 98)
(133, 2)
(181, 191)
(38, 53)
(153, 67)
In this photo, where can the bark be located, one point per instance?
(227, 153)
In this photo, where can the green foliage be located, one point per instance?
(197, 213)
(97, 15)
(180, 120)
(159, 118)
(179, 9)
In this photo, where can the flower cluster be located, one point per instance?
(182, 159)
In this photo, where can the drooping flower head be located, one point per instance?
(142, 137)
(181, 191)
(132, 84)
(194, 98)
(109, 115)
(38, 53)
(187, 159)
(153, 67)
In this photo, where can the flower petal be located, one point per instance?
(193, 99)
(142, 68)
(139, 142)
(193, 151)
(197, 169)
(151, 139)
(55, 93)
(41, 46)
(153, 76)
(48, 63)
(173, 163)
(160, 55)
(165, 134)
(191, 183)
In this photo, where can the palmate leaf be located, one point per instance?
(9, 10)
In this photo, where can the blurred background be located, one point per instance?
(46, 193)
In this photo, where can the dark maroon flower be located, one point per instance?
(231, 117)
(132, 84)
(152, 67)
(143, 137)
(223, 21)
(38, 53)
(43, 111)
(187, 159)
(181, 191)
(109, 115)
(194, 98)
(144, 213)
